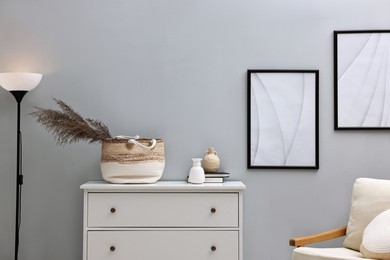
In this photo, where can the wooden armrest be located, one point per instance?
(334, 233)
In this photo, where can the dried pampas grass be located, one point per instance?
(68, 127)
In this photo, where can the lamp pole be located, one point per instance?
(18, 94)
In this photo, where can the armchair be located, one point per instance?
(370, 200)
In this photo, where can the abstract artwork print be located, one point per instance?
(362, 79)
(283, 119)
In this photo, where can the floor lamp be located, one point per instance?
(18, 84)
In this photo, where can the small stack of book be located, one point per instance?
(216, 177)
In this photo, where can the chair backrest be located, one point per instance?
(370, 197)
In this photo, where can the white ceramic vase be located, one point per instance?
(196, 173)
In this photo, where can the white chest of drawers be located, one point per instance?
(168, 220)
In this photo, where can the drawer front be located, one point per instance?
(163, 210)
(172, 245)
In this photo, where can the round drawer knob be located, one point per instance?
(113, 210)
(213, 248)
(213, 210)
(112, 248)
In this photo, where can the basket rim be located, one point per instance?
(113, 140)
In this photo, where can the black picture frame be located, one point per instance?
(361, 66)
(283, 125)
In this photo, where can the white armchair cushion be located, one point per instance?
(369, 198)
(340, 253)
(376, 237)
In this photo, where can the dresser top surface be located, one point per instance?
(164, 185)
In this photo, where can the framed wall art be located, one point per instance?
(283, 119)
(362, 79)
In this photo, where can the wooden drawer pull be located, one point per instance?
(112, 248)
(113, 210)
(213, 210)
(213, 248)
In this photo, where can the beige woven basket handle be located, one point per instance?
(133, 139)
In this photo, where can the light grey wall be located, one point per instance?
(176, 69)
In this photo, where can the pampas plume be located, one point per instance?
(68, 127)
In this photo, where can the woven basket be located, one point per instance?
(132, 161)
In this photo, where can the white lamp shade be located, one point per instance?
(19, 81)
